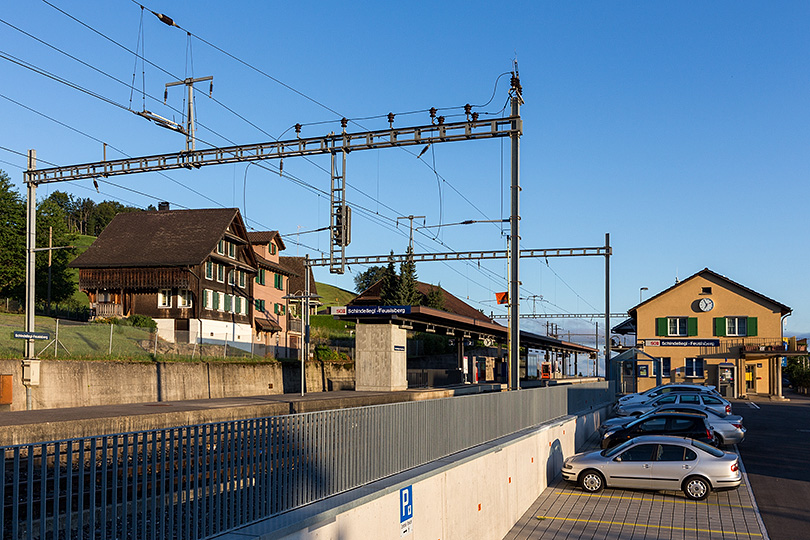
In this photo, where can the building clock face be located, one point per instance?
(706, 304)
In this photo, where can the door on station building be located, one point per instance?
(750, 378)
(628, 378)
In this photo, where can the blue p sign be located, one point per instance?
(405, 504)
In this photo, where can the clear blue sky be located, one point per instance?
(680, 128)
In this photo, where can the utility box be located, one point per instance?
(31, 372)
(5, 389)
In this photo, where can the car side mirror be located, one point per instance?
(618, 458)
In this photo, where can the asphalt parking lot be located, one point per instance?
(564, 511)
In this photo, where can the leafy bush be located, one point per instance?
(325, 354)
(142, 321)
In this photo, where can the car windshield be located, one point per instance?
(716, 452)
(616, 449)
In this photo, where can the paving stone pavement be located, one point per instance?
(564, 511)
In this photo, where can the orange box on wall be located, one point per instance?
(5, 389)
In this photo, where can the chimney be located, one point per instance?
(163, 206)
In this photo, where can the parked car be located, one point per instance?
(656, 462)
(706, 399)
(666, 423)
(665, 389)
(728, 428)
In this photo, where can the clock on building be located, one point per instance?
(706, 304)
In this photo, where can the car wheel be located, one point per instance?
(719, 439)
(591, 481)
(696, 488)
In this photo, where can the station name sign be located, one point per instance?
(682, 342)
(19, 334)
(370, 310)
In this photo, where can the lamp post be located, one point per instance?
(640, 291)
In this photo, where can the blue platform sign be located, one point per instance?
(406, 510)
(19, 334)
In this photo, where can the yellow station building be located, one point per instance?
(706, 329)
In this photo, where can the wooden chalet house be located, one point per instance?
(192, 271)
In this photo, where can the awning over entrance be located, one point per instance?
(266, 325)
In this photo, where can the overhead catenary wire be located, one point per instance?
(433, 168)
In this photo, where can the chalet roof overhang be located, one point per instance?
(227, 261)
(425, 319)
(275, 267)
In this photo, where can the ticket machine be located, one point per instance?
(726, 377)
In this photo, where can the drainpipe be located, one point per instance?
(779, 362)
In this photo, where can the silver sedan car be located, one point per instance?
(656, 462)
(728, 429)
(705, 399)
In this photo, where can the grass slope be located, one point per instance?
(334, 296)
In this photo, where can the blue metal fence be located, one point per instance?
(193, 482)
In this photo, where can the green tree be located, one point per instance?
(435, 297)
(390, 284)
(407, 295)
(50, 216)
(364, 280)
(12, 240)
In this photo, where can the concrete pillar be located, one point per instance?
(381, 363)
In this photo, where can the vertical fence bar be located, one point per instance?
(196, 483)
(116, 472)
(15, 493)
(124, 485)
(43, 489)
(104, 471)
(69, 482)
(165, 504)
(171, 500)
(144, 494)
(153, 460)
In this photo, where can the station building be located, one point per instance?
(706, 329)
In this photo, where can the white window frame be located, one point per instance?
(231, 247)
(231, 277)
(737, 326)
(242, 279)
(184, 298)
(681, 326)
(221, 247)
(209, 270)
(164, 298)
(221, 306)
(220, 273)
(689, 371)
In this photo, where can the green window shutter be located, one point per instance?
(661, 326)
(275, 309)
(216, 300)
(238, 304)
(205, 298)
(691, 326)
(720, 326)
(227, 302)
(752, 326)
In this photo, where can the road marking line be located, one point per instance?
(664, 527)
(753, 405)
(652, 500)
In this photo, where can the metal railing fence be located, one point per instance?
(194, 482)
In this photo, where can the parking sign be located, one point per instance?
(406, 510)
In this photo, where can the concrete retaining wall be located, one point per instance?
(477, 494)
(77, 383)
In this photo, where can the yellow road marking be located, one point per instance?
(645, 499)
(691, 529)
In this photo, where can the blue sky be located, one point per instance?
(680, 128)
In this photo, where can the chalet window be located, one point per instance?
(221, 247)
(209, 270)
(259, 305)
(665, 366)
(261, 276)
(184, 298)
(215, 305)
(241, 279)
(220, 273)
(206, 299)
(165, 298)
(694, 368)
(231, 277)
(231, 250)
(272, 248)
